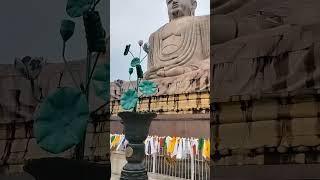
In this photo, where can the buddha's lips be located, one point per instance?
(175, 6)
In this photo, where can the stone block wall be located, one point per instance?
(188, 103)
(273, 131)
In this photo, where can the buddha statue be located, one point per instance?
(263, 47)
(180, 46)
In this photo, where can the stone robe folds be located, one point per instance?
(192, 52)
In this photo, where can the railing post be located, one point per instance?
(154, 156)
(192, 166)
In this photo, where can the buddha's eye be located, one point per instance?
(170, 1)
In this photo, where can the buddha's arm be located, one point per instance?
(226, 27)
(150, 53)
(223, 27)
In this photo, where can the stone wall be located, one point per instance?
(181, 125)
(273, 131)
(188, 103)
(184, 115)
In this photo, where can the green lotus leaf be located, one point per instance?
(148, 88)
(135, 61)
(61, 120)
(76, 8)
(100, 81)
(129, 99)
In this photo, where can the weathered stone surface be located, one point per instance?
(13, 169)
(90, 128)
(16, 158)
(102, 127)
(101, 152)
(3, 132)
(34, 151)
(299, 158)
(305, 127)
(19, 145)
(189, 103)
(268, 49)
(20, 132)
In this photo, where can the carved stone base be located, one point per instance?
(133, 174)
(190, 82)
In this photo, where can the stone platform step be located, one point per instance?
(267, 172)
(151, 177)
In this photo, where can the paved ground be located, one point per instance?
(274, 172)
(23, 176)
(268, 172)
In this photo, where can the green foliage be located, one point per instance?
(139, 71)
(148, 88)
(100, 81)
(76, 8)
(95, 34)
(61, 120)
(129, 99)
(135, 61)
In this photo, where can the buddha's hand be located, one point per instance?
(176, 71)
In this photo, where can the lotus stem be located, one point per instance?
(95, 4)
(131, 54)
(92, 71)
(143, 58)
(67, 65)
(32, 91)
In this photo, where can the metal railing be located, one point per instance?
(194, 168)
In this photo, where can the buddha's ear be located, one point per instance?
(194, 6)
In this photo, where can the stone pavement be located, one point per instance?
(151, 177)
(22, 176)
(268, 172)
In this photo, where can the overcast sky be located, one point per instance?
(132, 20)
(31, 27)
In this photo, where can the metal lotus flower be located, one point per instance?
(67, 29)
(29, 67)
(119, 82)
(146, 47)
(130, 71)
(140, 42)
(129, 99)
(135, 61)
(61, 120)
(148, 88)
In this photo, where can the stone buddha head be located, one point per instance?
(180, 8)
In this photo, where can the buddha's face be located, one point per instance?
(180, 8)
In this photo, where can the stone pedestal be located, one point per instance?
(136, 128)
